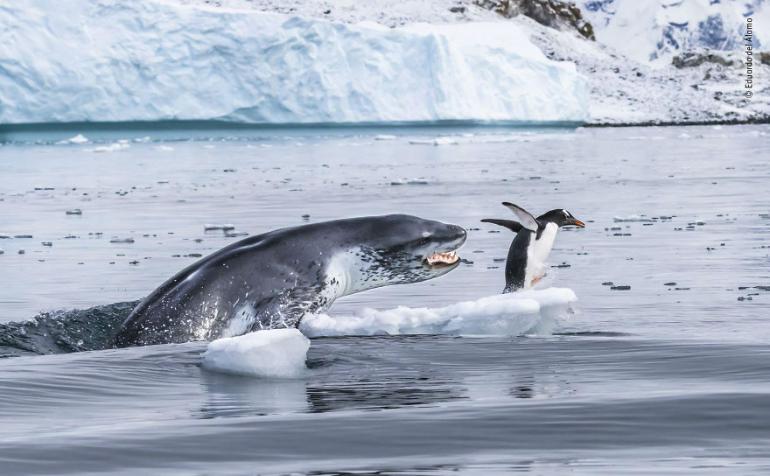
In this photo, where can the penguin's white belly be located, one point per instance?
(537, 254)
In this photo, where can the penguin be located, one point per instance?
(530, 248)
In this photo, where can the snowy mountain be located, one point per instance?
(656, 30)
(109, 60)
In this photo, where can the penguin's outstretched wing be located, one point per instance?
(525, 218)
(514, 226)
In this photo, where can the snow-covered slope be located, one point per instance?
(655, 30)
(624, 91)
(110, 60)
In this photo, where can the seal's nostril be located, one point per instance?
(458, 230)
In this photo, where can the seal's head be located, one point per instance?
(396, 249)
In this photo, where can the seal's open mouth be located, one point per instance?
(442, 259)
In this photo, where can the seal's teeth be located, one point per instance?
(447, 257)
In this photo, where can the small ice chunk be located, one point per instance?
(223, 227)
(417, 181)
(110, 148)
(271, 353)
(633, 219)
(445, 141)
(622, 287)
(384, 137)
(78, 139)
(435, 141)
(74, 211)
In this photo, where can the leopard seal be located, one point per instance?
(272, 280)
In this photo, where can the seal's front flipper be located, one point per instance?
(514, 226)
(525, 218)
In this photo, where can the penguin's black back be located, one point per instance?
(516, 265)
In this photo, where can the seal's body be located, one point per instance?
(272, 280)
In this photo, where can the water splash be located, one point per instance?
(59, 332)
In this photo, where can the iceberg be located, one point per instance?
(149, 60)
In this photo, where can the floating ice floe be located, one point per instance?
(271, 353)
(462, 139)
(435, 141)
(404, 181)
(121, 240)
(214, 227)
(114, 147)
(524, 312)
(633, 219)
(78, 139)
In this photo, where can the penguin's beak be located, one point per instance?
(576, 223)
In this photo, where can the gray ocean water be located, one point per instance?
(669, 376)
